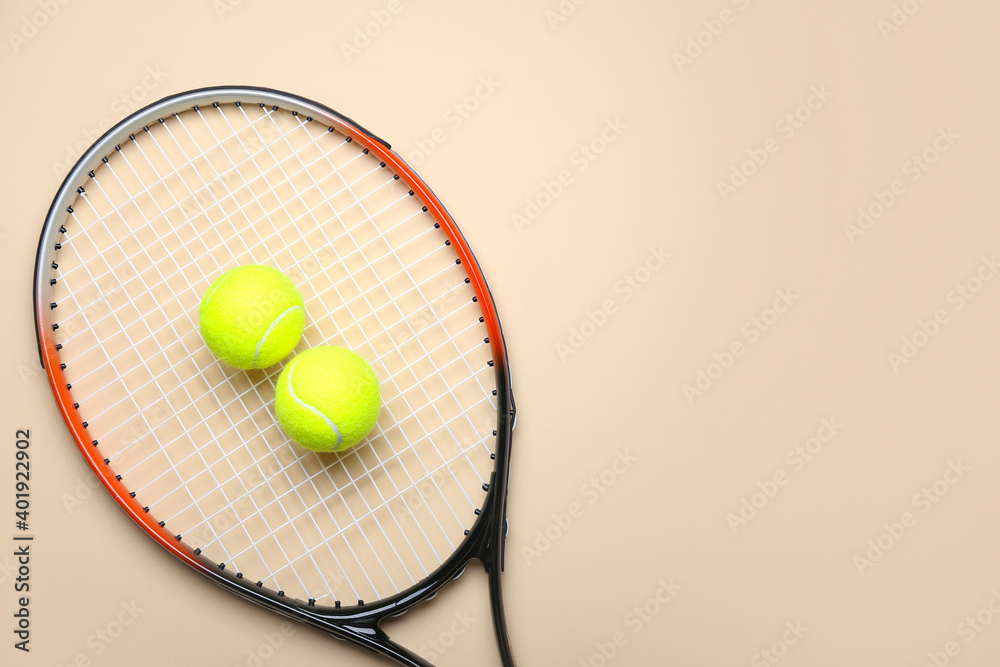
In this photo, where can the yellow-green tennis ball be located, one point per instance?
(252, 316)
(327, 399)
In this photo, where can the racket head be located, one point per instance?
(86, 363)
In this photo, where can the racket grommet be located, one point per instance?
(458, 261)
(80, 190)
(87, 425)
(478, 512)
(475, 299)
(53, 305)
(177, 537)
(69, 386)
(94, 443)
(349, 139)
(395, 177)
(162, 524)
(281, 594)
(447, 241)
(260, 584)
(59, 246)
(309, 119)
(55, 327)
(486, 340)
(361, 603)
(131, 494)
(62, 228)
(410, 193)
(222, 566)
(239, 575)
(54, 265)
(490, 363)
(481, 319)
(312, 602)
(215, 104)
(493, 457)
(486, 486)
(62, 367)
(466, 531)
(424, 209)
(90, 173)
(76, 406)
(118, 477)
(336, 604)
(145, 509)
(365, 151)
(197, 552)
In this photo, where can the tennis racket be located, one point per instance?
(206, 180)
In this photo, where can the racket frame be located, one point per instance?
(359, 624)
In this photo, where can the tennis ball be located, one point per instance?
(252, 316)
(327, 399)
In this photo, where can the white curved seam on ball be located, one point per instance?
(329, 422)
(256, 354)
(208, 297)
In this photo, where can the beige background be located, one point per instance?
(600, 364)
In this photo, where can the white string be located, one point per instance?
(188, 381)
